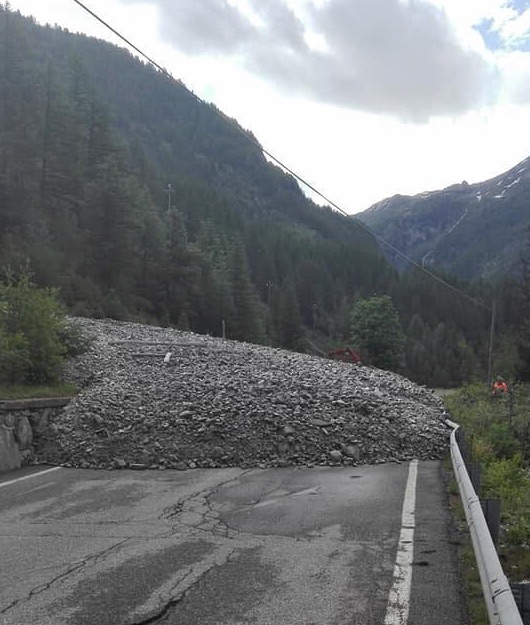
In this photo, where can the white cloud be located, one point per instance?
(515, 67)
(391, 57)
(516, 30)
(326, 88)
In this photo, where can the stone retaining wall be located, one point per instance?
(20, 422)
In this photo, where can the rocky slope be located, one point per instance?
(471, 230)
(215, 403)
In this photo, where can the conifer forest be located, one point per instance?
(136, 201)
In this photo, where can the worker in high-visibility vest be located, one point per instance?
(499, 388)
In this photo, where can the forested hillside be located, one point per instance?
(137, 201)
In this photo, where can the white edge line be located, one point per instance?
(399, 596)
(28, 477)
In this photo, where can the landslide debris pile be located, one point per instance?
(219, 403)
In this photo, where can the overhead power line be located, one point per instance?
(253, 140)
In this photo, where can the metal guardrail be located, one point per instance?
(500, 603)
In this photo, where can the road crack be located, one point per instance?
(197, 512)
(73, 568)
(187, 583)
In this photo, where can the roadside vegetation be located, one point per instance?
(24, 391)
(498, 434)
(35, 340)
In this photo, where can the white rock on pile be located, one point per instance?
(218, 403)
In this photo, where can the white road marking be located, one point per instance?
(28, 477)
(35, 489)
(399, 597)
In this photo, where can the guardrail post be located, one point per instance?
(475, 475)
(521, 594)
(492, 511)
(462, 445)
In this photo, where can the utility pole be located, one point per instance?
(492, 335)
(269, 291)
(169, 191)
(269, 286)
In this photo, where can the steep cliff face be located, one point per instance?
(471, 230)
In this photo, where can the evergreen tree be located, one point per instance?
(247, 323)
(377, 332)
(419, 356)
(287, 319)
(522, 327)
(89, 138)
(114, 224)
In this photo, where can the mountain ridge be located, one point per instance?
(473, 230)
(91, 141)
(135, 198)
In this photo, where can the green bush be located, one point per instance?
(14, 359)
(31, 320)
(518, 531)
(508, 480)
(73, 339)
(498, 431)
(503, 440)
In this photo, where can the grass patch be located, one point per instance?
(498, 434)
(473, 596)
(515, 562)
(476, 605)
(65, 389)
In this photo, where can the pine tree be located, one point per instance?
(377, 332)
(418, 355)
(247, 323)
(522, 322)
(287, 319)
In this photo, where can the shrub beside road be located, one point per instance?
(498, 434)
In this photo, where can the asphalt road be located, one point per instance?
(291, 546)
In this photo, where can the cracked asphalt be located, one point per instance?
(293, 546)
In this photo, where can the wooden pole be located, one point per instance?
(492, 335)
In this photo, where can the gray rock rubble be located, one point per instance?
(160, 398)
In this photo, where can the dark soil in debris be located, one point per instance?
(216, 403)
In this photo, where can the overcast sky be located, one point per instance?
(362, 98)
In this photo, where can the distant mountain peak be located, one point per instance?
(472, 230)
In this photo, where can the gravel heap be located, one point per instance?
(218, 403)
